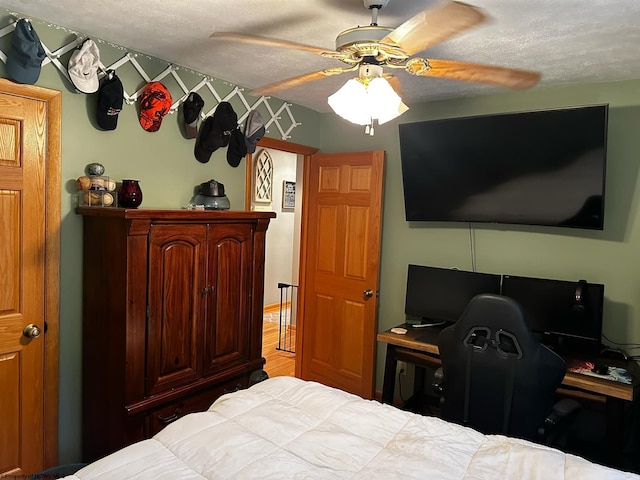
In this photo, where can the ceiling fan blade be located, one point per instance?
(270, 42)
(473, 72)
(433, 26)
(395, 84)
(295, 81)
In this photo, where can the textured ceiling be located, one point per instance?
(567, 41)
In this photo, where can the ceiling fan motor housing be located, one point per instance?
(362, 44)
(358, 35)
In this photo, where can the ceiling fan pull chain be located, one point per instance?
(368, 129)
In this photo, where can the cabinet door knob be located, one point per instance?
(207, 290)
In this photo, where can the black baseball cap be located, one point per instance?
(237, 148)
(191, 109)
(110, 98)
(215, 132)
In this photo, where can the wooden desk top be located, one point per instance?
(427, 342)
(424, 340)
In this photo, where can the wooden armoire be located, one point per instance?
(172, 316)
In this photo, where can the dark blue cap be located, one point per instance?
(25, 57)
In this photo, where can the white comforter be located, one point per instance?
(287, 428)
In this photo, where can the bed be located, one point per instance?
(285, 428)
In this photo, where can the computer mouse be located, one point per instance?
(600, 369)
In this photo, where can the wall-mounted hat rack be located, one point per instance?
(280, 117)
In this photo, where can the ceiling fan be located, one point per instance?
(372, 48)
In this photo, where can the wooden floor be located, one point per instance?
(279, 363)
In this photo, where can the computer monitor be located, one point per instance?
(441, 294)
(557, 307)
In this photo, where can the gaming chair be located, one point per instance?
(497, 377)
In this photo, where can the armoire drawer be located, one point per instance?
(199, 402)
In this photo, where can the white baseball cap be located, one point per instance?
(83, 67)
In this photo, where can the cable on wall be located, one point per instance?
(472, 247)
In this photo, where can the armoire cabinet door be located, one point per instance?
(230, 273)
(177, 264)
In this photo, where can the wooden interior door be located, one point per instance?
(338, 315)
(29, 277)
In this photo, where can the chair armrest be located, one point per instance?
(562, 410)
(555, 430)
(438, 381)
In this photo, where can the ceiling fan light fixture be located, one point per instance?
(363, 100)
(351, 102)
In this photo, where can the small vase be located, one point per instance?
(130, 194)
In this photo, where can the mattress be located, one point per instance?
(287, 428)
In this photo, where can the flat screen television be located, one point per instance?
(437, 295)
(542, 167)
(559, 309)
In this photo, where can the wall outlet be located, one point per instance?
(402, 367)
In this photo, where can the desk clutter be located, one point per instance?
(603, 371)
(399, 330)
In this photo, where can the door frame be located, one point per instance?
(306, 151)
(53, 159)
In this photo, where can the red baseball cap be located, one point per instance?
(155, 103)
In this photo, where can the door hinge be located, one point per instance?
(148, 311)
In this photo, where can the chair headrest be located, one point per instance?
(499, 319)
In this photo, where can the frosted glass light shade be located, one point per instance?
(350, 102)
(361, 104)
(384, 102)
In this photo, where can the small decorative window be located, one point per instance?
(262, 177)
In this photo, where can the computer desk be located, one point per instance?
(419, 347)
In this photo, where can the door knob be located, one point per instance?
(367, 293)
(31, 331)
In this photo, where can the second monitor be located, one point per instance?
(560, 311)
(436, 295)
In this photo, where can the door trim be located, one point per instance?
(275, 144)
(285, 146)
(53, 101)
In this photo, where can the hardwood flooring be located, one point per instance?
(279, 363)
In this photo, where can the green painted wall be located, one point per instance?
(611, 257)
(164, 163)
